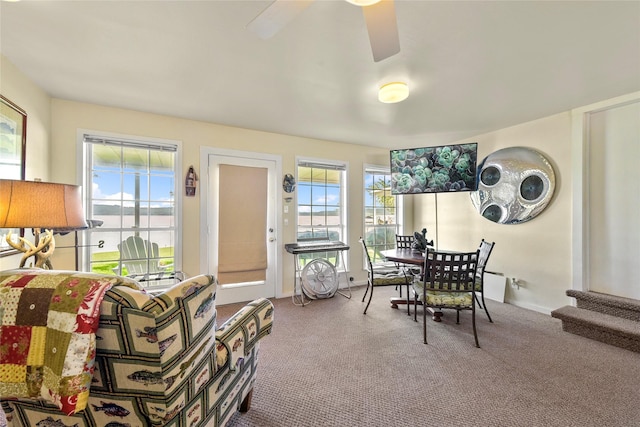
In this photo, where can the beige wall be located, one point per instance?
(69, 116)
(537, 252)
(19, 89)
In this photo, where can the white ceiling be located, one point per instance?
(472, 66)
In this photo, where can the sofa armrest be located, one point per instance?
(240, 333)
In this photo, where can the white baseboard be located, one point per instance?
(532, 307)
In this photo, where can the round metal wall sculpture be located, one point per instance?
(515, 184)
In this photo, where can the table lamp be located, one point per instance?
(39, 205)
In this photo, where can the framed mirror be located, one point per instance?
(13, 146)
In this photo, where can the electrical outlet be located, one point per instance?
(286, 209)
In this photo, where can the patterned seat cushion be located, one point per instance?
(449, 299)
(388, 277)
(443, 298)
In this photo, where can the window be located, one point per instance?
(131, 186)
(321, 204)
(382, 213)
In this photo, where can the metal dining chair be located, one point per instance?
(381, 276)
(483, 256)
(448, 283)
(404, 242)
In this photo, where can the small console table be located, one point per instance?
(318, 278)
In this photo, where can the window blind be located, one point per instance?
(330, 166)
(129, 143)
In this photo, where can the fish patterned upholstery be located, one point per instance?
(161, 361)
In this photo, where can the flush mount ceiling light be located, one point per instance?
(363, 2)
(393, 92)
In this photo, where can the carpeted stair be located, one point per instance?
(606, 318)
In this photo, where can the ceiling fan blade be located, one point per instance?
(383, 29)
(276, 16)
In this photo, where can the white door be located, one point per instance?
(614, 232)
(232, 289)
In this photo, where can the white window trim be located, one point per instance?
(367, 167)
(343, 192)
(178, 190)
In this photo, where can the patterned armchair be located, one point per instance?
(159, 360)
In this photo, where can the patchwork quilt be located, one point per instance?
(48, 324)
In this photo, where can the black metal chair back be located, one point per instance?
(403, 242)
(449, 283)
(483, 257)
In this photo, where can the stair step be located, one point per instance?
(601, 327)
(627, 308)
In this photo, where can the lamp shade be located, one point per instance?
(33, 204)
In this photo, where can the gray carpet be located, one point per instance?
(327, 364)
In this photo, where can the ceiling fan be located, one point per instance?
(380, 17)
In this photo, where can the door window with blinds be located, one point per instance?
(382, 212)
(321, 205)
(131, 188)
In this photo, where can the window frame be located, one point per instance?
(399, 215)
(343, 228)
(85, 171)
